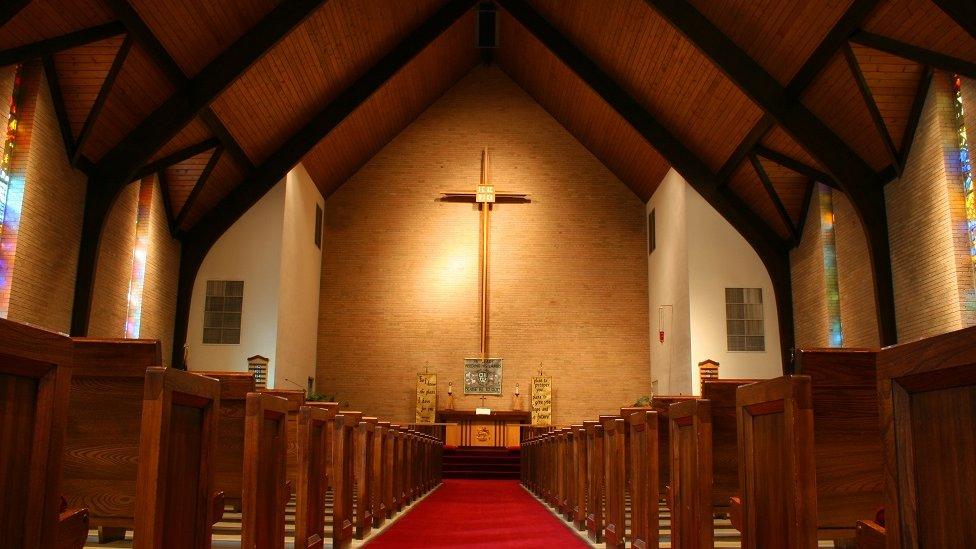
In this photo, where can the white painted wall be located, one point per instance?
(668, 281)
(718, 258)
(250, 251)
(698, 255)
(298, 294)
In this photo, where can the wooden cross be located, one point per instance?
(483, 401)
(485, 196)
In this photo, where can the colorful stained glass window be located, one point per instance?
(11, 193)
(835, 334)
(140, 250)
(965, 166)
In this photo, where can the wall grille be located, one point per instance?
(744, 319)
(222, 314)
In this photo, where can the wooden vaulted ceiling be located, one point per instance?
(620, 75)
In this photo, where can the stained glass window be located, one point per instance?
(11, 193)
(140, 250)
(965, 166)
(835, 334)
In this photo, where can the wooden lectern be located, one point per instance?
(500, 429)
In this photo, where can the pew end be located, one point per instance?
(217, 504)
(735, 512)
(870, 535)
(72, 529)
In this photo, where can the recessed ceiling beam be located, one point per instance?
(10, 9)
(199, 238)
(797, 166)
(880, 127)
(915, 115)
(181, 155)
(50, 46)
(197, 187)
(57, 97)
(914, 53)
(851, 172)
(963, 12)
(774, 196)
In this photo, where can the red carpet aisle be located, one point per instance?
(478, 513)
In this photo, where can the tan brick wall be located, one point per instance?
(926, 224)
(858, 314)
(809, 283)
(114, 266)
(162, 275)
(400, 268)
(46, 258)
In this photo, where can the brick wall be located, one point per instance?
(926, 226)
(400, 268)
(114, 268)
(46, 258)
(809, 283)
(858, 313)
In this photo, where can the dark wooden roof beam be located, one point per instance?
(175, 158)
(805, 213)
(201, 181)
(915, 115)
(228, 141)
(797, 166)
(167, 203)
(748, 143)
(51, 46)
(10, 8)
(963, 12)
(103, 92)
(879, 124)
(774, 196)
(914, 53)
(57, 97)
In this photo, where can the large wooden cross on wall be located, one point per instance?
(486, 197)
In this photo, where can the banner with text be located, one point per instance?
(542, 400)
(426, 397)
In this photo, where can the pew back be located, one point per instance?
(644, 518)
(35, 376)
(691, 474)
(229, 458)
(313, 455)
(927, 391)
(777, 475)
(176, 446)
(720, 394)
(265, 492)
(660, 404)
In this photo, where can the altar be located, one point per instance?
(499, 429)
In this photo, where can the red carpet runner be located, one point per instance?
(478, 513)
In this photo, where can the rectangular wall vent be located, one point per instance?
(744, 319)
(222, 312)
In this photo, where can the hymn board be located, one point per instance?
(483, 375)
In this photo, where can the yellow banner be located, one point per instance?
(542, 400)
(426, 398)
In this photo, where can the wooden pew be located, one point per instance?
(380, 476)
(725, 460)
(314, 455)
(569, 474)
(594, 480)
(579, 476)
(229, 460)
(346, 423)
(927, 393)
(691, 474)
(174, 483)
(365, 432)
(615, 485)
(101, 445)
(266, 490)
(35, 377)
(660, 404)
(387, 494)
(847, 439)
(644, 518)
(776, 464)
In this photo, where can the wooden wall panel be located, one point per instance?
(661, 69)
(921, 23)
(139, 88)
(790, 186)
(182, 177)
(778, 140)
(81, 72)
(579, 109)
(393, 107)
(313, 65)
(225, 176)
(893, 82)
(746, 184)
(834, 98)
(194, 33)
(42, 19)
(194, 132)
(779, 35)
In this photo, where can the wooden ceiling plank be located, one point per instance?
(10, 9)
(915, 115)
(774, 196)
(872, 106)
(57, 97)
(858, 11)
(919, 55)
(963, 12)
(51, 46)
(796, 166)
(103, 92)
(207, 230)
(176, 158)
(201, 181)
(755, 135)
